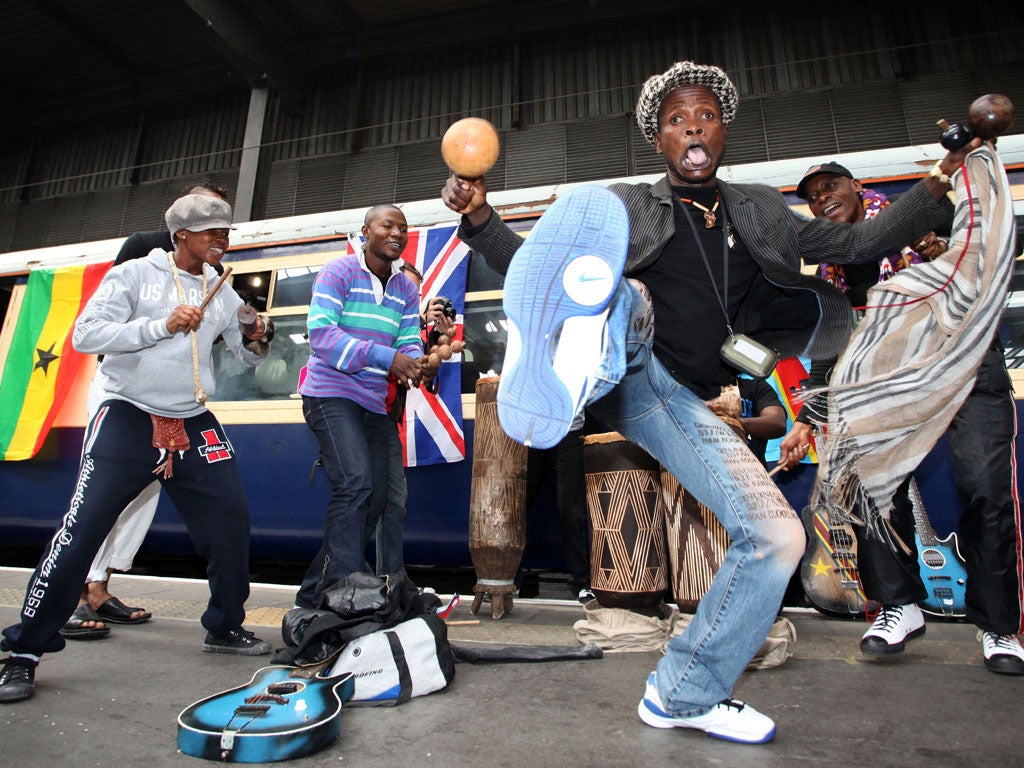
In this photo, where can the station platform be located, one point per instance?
(114, 701)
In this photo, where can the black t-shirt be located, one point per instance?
(689, 325)
(860, 278)
(755, 396)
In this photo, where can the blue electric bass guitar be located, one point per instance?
(283, 712)
(940, 564)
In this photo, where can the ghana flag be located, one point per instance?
(41, 363)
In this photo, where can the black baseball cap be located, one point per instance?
(817, 170)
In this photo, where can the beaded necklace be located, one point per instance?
(201, 396)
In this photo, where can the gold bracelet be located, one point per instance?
(936, 173)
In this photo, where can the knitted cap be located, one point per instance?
(683, 73)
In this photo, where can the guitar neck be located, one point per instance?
(924, 526)
(310, 671)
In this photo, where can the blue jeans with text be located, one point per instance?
(650, 408)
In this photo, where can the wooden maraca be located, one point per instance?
(990, 115)
(470, 147)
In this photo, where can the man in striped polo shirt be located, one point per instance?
(363, 324)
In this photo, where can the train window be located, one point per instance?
(481, 277)
(294, 286)
(485, 331)
(254, 288)
(1011, 326)
(277, 377)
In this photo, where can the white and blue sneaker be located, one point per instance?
(557, 292)
(730, 719)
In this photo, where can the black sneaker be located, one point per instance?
(240, 641)
(17, 680)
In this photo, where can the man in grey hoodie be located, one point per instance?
(145, 319)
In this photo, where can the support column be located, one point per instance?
(251, 146)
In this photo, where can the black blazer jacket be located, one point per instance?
(787, 310)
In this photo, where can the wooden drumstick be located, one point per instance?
(216, 287)
(778, 467)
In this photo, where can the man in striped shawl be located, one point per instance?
(928, 349)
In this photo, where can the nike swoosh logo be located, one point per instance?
(590, 279)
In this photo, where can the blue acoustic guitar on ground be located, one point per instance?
(282, 713)
(940, 564)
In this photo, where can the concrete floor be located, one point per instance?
(115, 701)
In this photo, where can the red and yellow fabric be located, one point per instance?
(41, 362)
(788, 379)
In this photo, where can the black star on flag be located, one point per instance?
(45, 358)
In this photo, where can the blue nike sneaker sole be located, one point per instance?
(568, 267)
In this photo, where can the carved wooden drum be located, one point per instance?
(627, 520)
(497, 496)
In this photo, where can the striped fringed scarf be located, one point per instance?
(912, 360)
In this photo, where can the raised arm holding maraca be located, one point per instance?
(470, 148)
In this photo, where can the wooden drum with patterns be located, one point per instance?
(627, 519)
(697, 542)
(497, 500)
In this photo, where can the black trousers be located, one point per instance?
(981, 440)
(566, 460)
(117, 463)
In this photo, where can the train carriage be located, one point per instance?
(274, 264)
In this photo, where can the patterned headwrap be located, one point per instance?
(683, 73)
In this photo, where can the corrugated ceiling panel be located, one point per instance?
(371, 178)
(645, 157)
(14, 162)
(281, 188)
(421, 171)
(90, 158)
(927, 99)
(596, 149)
(68, 219)
(8, 220)
(798, 124)
(321, 184)
(146, 205)
(105, 214)
(30, 231)
(866, 116)
(747, 139)
(202, 136)
(535, 156)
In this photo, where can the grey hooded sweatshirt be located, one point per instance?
(145, 365)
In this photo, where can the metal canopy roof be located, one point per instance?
(64, 61)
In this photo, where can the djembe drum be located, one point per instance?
(697, 542)
(497, 501)
(628, 567)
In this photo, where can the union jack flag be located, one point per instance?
(435, 421)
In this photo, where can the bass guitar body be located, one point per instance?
(828, 570)
(944, 576)
(282, 713)
(940, 564)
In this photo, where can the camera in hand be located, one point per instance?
(447, 308)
